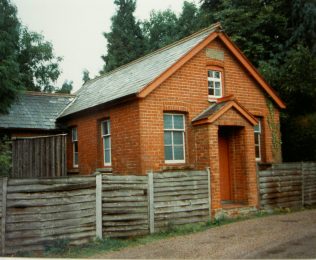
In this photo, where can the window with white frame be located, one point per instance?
(106, 138)
(214, 83)
(174, 129)
(258, 130)
(74, 138)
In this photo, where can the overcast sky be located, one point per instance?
(75, 28)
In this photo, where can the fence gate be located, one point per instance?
(39, 156)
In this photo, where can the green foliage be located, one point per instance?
(164, 27)
(125, 41)
(5, 155)
(66, 87)
(27, 61)
(190, 20)
(38, 64)
(9, 66)
(160, 30)
(257, 27)
(85, 76)
(59, 246)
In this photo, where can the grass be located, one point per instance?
(61, 248)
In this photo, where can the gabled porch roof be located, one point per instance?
(216, 110)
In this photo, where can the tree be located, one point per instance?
(85, 76)
(66, 87)
(279, 37)
(161, 29)
(125, 41)
(190, 20)
(164, 27)
(9, 66)
(39, 66)
(257, 27)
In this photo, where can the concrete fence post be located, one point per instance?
(98, 205)
(151, 208)
(303, 183)
(4, 213)
(209, 192)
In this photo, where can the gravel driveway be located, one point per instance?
(280, 236)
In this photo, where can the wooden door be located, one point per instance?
(225, 179)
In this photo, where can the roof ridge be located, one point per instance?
(209, 28)
(37, 93)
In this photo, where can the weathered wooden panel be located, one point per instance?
(180, 198)
(287, 185)
(40, 211)
(309, 184)
(39, 156)
(124, 206)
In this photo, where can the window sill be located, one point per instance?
(213, 99)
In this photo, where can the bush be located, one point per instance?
(5, 155)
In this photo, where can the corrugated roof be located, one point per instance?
(35, 110)
(131, 78)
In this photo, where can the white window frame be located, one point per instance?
(74, 142)
(258, 131)
(172, 144)
(213, 79)
(103, 136)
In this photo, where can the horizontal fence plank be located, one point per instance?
(122, 217)
(51, 209)
(49, 181)
(51, 224)
(181, 209)
(162, 189)
(180, 203)
(50, 187)
(49, 195)
(179, 174)
(122, 177)
(50, 202)
(182, 179)
(42, 217)
(180, 184)
(124, 204)
(112, 194)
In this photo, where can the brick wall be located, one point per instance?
(124, 138)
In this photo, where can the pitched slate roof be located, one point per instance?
(212, 109)
(131, 78)
(35, 110)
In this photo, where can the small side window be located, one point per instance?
(258, 131)
(74, 137)
(106, 138)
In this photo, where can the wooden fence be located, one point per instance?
(180, 199)
(39, 211)
(124, 206)
(287, 185)
(39, 156)
(35, 212)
